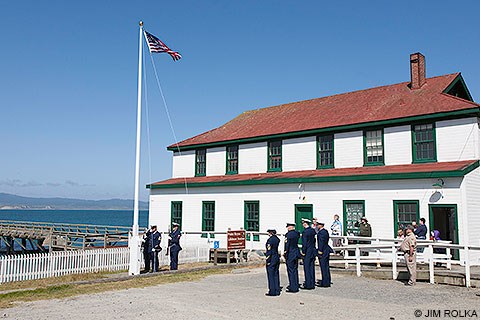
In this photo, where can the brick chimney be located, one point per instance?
(417, 70)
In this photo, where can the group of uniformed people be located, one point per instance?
(151, 247)
(309, 252)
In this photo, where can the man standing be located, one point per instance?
(309, 254)
(291, 254)
(365, 231)
(273, 263)
(146, 253)
(421, 232)
(154, 239)
(408, 247)
(174, 245)
(324, 251)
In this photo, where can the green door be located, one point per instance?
(302, 211)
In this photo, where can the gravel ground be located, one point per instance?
(240, 295)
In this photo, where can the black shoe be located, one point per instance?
(271, 295)
(305, 288)
(320, 286)
(291, 291)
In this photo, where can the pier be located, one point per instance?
(25, 236)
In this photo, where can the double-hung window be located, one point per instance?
(200, 162)
(252, 219)
(208, 217)
(325, 151)
(405, 212)
(176, 215)
(275, 155)
(232, 159)
(373, 151)
(423, 142)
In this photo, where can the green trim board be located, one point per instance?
(366, 162)
(396, 203)
(332, 151)
(415, 144)
(251, 218)
(346, 225)
(459, 79)
(474, 111)
(364, 177)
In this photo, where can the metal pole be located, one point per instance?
(135, 243)
(431, 266)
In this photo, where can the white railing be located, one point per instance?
(388, 253)
(45, 265)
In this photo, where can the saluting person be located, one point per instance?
(273, 263)
(309, 253)
(174, 245)
(324, 251)
(292, 253)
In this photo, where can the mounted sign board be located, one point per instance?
(236, 239)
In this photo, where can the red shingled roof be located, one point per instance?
(375, 104)
(422, 170)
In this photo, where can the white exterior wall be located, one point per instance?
(397, 145)
(184, 164)
(471, 220)
(252, 158)
(299, 154)
(457, 139)
(216, 161)
(277, 203)
(348, 149)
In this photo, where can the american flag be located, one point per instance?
(157, 46)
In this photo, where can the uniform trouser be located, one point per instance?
(174, 259)
(273, 276)
(325, 269)
(411, 267)
(146, 256)
(309, 270)
(154, 259)
(292, 271)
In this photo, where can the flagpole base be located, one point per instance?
(134, 244)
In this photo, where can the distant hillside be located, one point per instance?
(10, 201)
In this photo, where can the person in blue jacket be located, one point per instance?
(309, 253)
(291, 254)
(174, 245)
(273, 263)
(324, 250)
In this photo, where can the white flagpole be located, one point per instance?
(135, 241)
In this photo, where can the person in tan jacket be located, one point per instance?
(409, 249)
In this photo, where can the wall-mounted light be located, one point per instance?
(439, 184)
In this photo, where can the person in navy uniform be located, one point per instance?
(309, 253)
(273, 263)
(146, 253)
(174, 245)
(324, 250)
(154, 238)
(291, 254)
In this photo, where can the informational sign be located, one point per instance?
(216, 244)
(235, 239)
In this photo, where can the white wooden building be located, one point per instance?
(394, 154)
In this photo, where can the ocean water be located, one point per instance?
(95, 217)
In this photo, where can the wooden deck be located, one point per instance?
(43, 236)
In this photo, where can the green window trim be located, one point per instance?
(416, 144)
(326, 151)
(396, 220)
(200, 162)
(232, 153)
(251, 220)
(274, 153)
(373, 160)
(176, 213)
(208, 218)
(350, 226)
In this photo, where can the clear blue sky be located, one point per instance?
(68, 75)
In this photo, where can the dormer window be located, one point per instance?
(275, 155)
(200, 162)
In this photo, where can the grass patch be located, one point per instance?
(68, 290)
